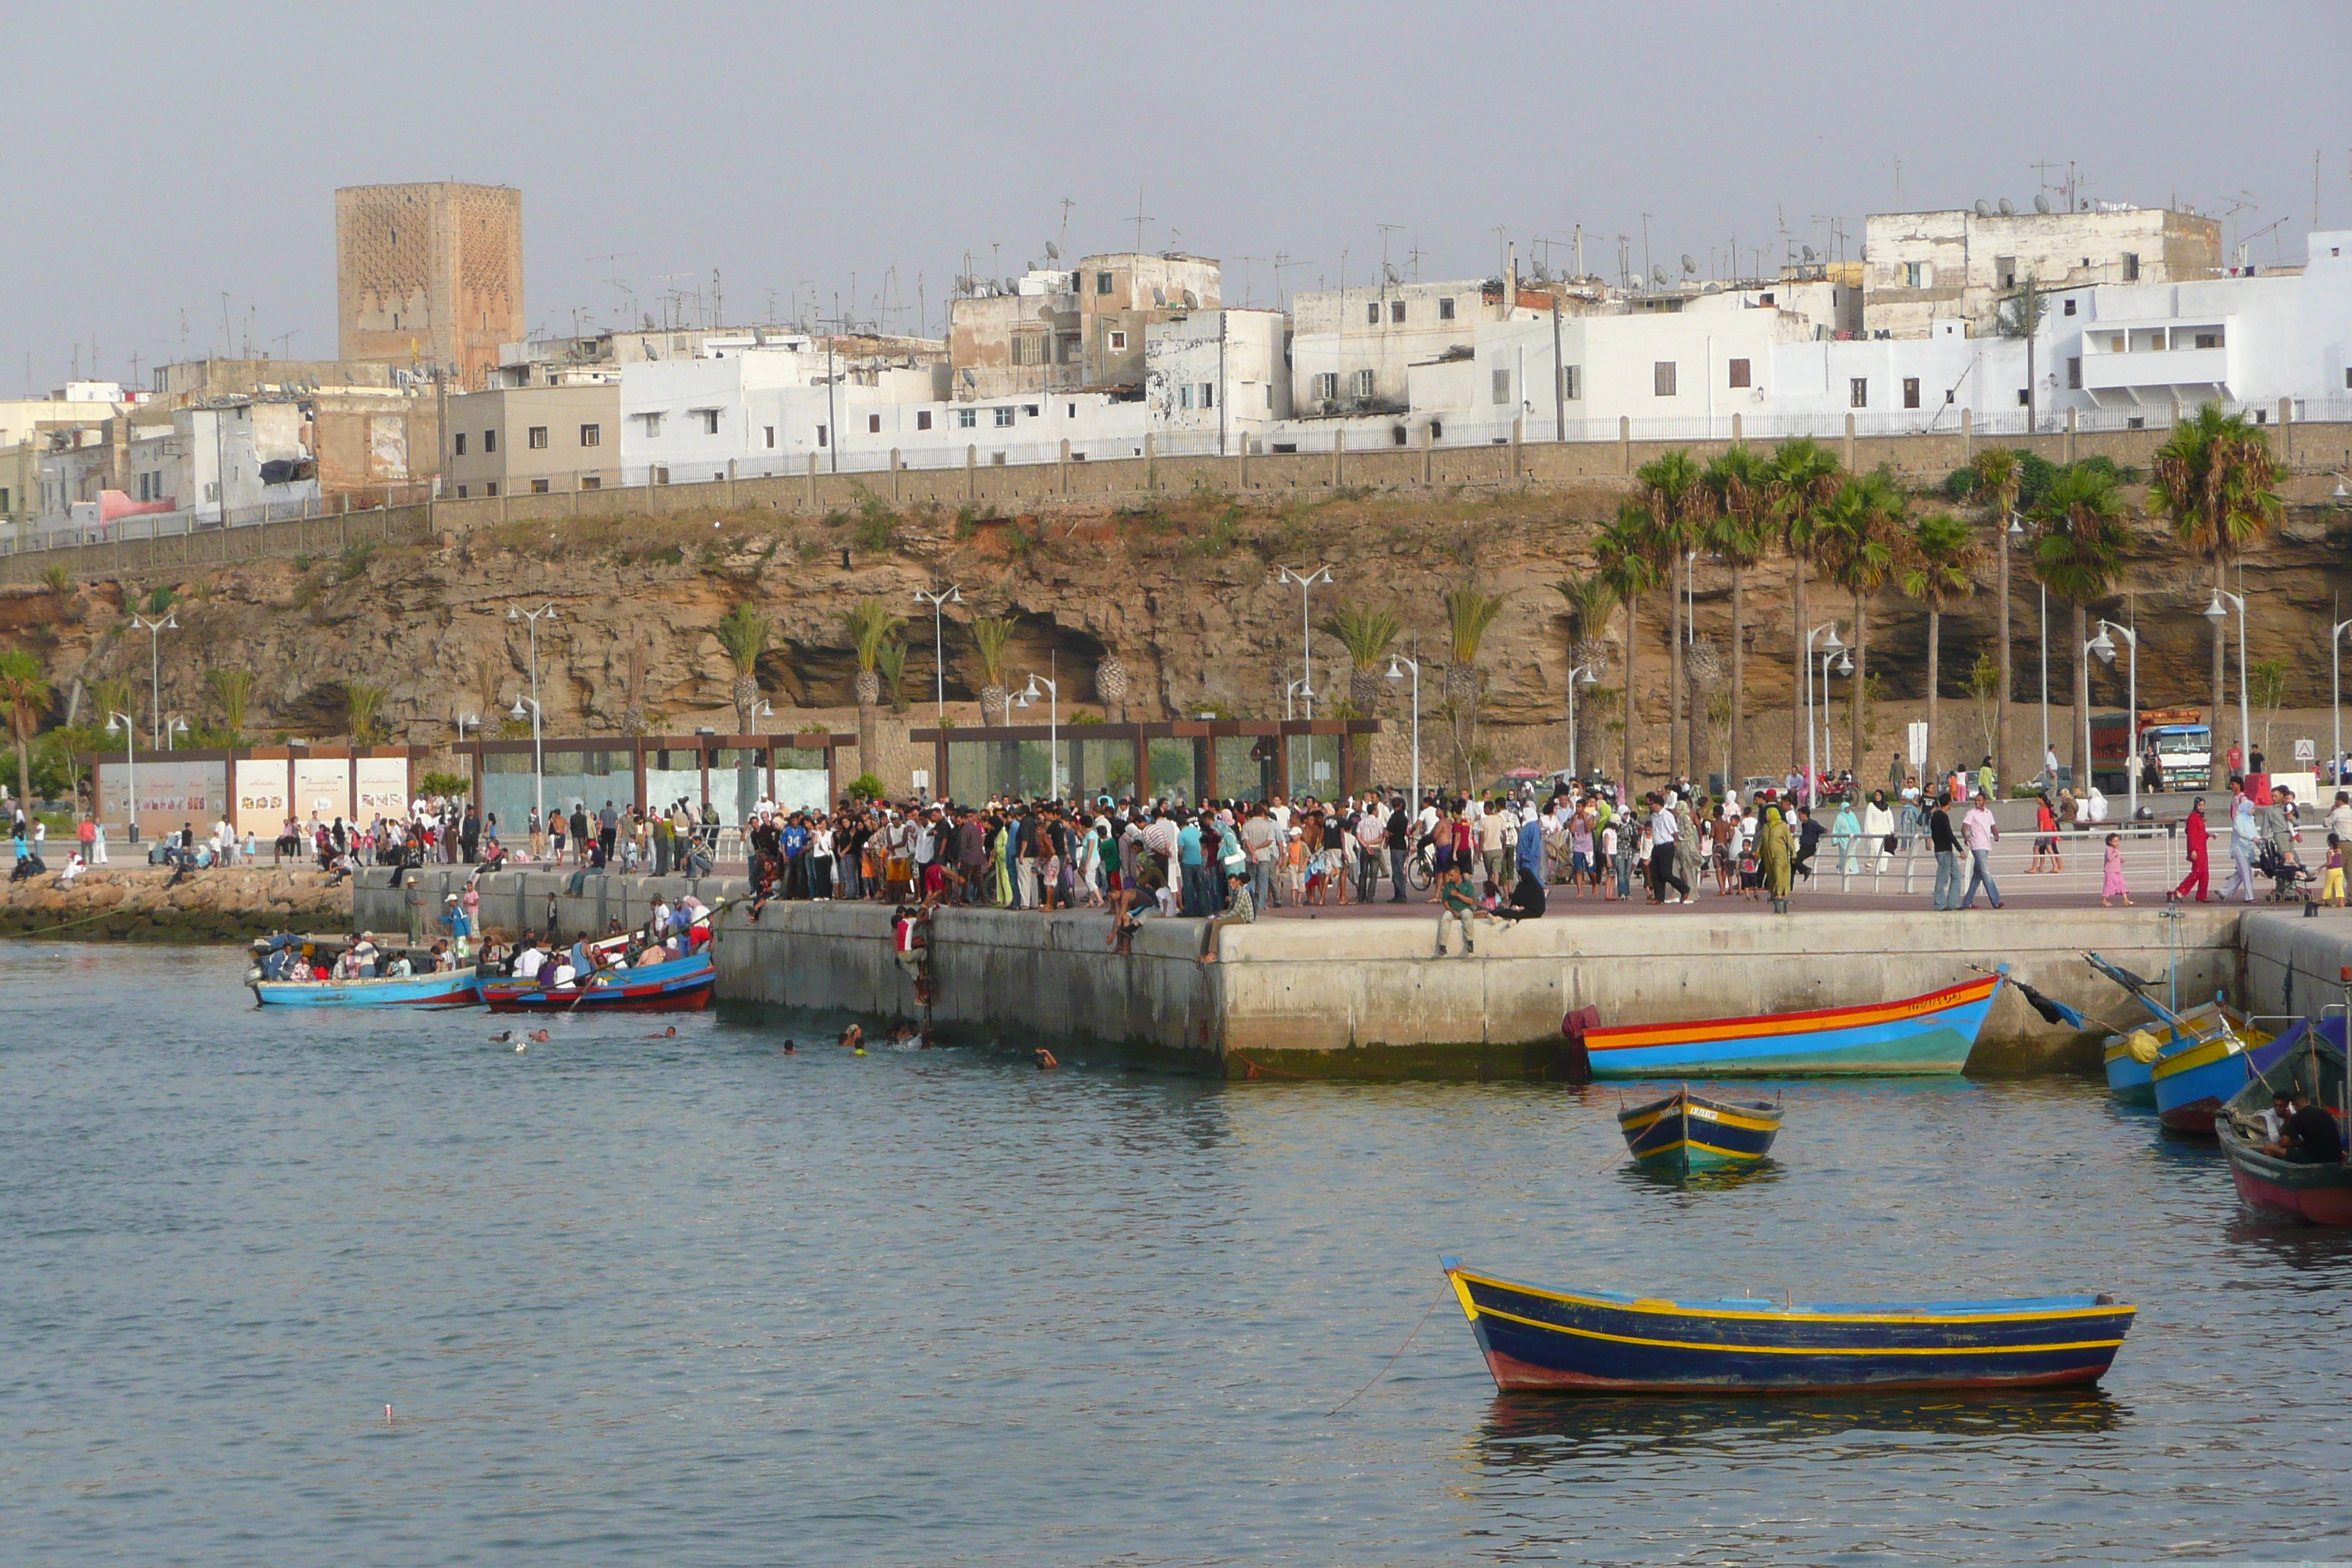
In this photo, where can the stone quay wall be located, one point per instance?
(132, 902)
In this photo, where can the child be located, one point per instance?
(2112, 884)
(2331, 883)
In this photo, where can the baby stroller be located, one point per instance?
(2290, 879)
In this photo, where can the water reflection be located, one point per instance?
(1764, 1173)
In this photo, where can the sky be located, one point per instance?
(846, 160)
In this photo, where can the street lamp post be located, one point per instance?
(2217, 615)
(2335, 692)
(1397, 673)
(155, 630)
(130, 763)
(1829, 729)
(173, 732)
(537, 759)
(1292, 690)
(2104, 645)
(1584, 674)
(1053, 695)
(533, 616)
(952, 595)
(1812, 769)
(1307, 582)
(2051, 782)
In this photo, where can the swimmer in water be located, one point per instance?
(665, 1034)
(539, 1037)
(853, 1039)
(503, 1037)
(790, 1049)
(1045, 1059)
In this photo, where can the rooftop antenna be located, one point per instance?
(1067, 204)
(1141, 217)
(1413, 257)
(1245, 262)
(1646, 269)
(1386, 229)
(615, 280)
(1281, 260)
(1898, 184)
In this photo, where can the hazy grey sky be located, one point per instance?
(172, 154)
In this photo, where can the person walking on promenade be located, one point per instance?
(1400, 843)
(2331, 880)
(2046, 856)
(2201, 855)
(1663, 872)
(1947, 846)
(2243, 832)
(2111, 877)
(1775, 853)
(1980, 832)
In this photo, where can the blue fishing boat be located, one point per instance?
(681, 984)
(1600, 1341)
(2194, 1078)
(1685, 1132)
(454, 988)
(1929, 1034)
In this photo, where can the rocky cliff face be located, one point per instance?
(1185, 594)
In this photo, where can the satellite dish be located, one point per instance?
(1658, 275)
(1389, 271)
(1053, 251)
(1984, 209)
(1190, 300)
(2042, 206)
(968, 380)
(2007, 207)
(1809, 253)
(1690, 268)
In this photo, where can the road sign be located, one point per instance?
(1918, 738)
(2306, 751)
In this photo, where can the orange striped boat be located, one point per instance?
(1929, 1034)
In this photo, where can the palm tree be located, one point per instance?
(2079, 555)
(2215, 478)
(1110, 685)
(744, 633)
(24, 693)
(870, 624)
(361, 705)
(992, 633)
(1856, 533)
(1624, 552)
(1366, 633)
(1733, 531)
(1468, 614)
(892, 663)
(1803, 475)
(2020, 315)
(1592, 599)
(1678, 496)
(232, 689)
(2000, 470)
(1936, 562)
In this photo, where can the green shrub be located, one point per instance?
(866, 786)
(1961, 484)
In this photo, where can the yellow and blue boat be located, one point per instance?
(1929, 1034)
(1685, 1132)
(1602, 1341)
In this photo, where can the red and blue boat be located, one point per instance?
(2321, 1194)
(682, 984)
(1929, 1034)
(1602, 1341)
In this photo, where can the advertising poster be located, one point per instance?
(169, 794)
(259, 807)
(383, 786)
(323, 788)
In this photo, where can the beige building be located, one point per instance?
(429, 276)
(534, 440)
(1922, 267)
(1070, 331)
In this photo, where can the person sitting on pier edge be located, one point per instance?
(2309, 1137)
(1239, 910)
(1457, 902)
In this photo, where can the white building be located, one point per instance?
(1926, 267)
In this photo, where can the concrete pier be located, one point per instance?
(1369, 997)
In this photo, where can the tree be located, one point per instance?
(1936, 562)
(2020, 315)
(892, 663)
(1984, 691)
(2216, 481)
(1733, 532)
(1468, 614)
(1591, 601)
(991, 633)
(231, 687)
(1624, 552)
(361, 705)
(1678, 497)
(2078, 556)
(24, 694)
(2266, 690)
(1366, 633)
(1802, 477)
(870, 624)
(742, 631)
(2000, 470)
(1857, 549)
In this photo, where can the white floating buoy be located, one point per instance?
(521, 1046)
(387, 1415)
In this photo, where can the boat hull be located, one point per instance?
(1686, 1132)
(2193, 1084)
(2314, 1060)
(457, 989)
(1919, 1034)
(683, 986)
(1538, 1340)
(2130, 1080)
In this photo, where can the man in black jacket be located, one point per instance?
(1949, 882)
(1400, 846)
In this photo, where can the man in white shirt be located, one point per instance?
(1979, 834)
(529, 961)
(1662, 870)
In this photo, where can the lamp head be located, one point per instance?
(2016, 525)
(170, 622)
(1845, 665)
(549, 612)
(1030, 693)
(2104, 646)
(178, 726)
(513, 613)
(1833, 644)
(1588, 677)
(113, 726)
(516, 712)
(1394, 673)
(2214, 612)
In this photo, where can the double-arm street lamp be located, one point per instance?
(1830, 649)
(1398, 674)
(954, 596)
(1306, 580)
(130, 731)
(1053, 695)
(537, 758)
(155, 630)
(2216, 614)
(2104, 645)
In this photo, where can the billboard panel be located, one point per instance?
(260, 808)
(169, 794)
(323, 788)
(383, 788)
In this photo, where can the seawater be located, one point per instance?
(689, 1299)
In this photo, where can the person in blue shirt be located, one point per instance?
(1188, 858)
(1527, 898)
(793, 843)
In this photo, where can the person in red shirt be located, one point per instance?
(2200, 856)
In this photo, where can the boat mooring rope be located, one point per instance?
(1393, 1360)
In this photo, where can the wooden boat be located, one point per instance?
(2320, 1193)
(454, 988)
(1600, 1341)
(1685, 1132)
(2194, 1078)
(1929, 1034)
(683, 984)
(2130, 1056)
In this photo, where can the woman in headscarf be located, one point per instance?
(1845, 836)
(1776, 850)
(1688, 847)
(1877, 827)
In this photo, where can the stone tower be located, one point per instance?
(429, 275)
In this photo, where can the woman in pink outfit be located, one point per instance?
(2112, 884)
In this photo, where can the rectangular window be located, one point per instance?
(491, 489)
(1372, 313)
(489, 441)
(874, 425)
(823, 436)
(1070, 411)
(770, 431)
(1445, 309)
(592, 434)
(709, 421)
(1911, 391)
(1363, 383)
(1572, 382)
(458, 447)
(967, 418)
(1912, 273)
(1396, 309)
(1857, 392)
(922, 419)
(461, 493)
(1117, 342)
(1502, 383)
(2024, 396)
(1738, 373)
(1184, 395)
(539, 487)
(535, 437)
(1208, 395)
(1662, 378)
(2004, 271)
(2074, 373)
(2208, 340)
(1102, 283)
(1327, 385)
(2131, 266)
(2070, 306)
(1004, 418)
(658, 473)
(653, 423)
(591, 481)
(1029, 411)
